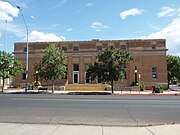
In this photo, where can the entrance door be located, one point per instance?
(76, 77)
(87, 80)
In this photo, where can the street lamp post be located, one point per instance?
(27, 46)
(135, 75)
(36, 78)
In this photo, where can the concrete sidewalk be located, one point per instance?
(38, 129)
(146, 92)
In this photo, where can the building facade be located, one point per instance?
(149, 63)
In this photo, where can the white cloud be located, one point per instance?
(131, 12)
(69, 29)
(40, 36)
(4, 16)
(63, 38)
(166, 11)
(62, 2)
(18, 30)
(179, 11)
(55, 25)
(32, 17)
(153, 26)
(7, 11)
(172, 35)
(0, 34)
(89, 4)
(98, 26)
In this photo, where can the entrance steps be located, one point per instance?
(120, 85)
(86, 87)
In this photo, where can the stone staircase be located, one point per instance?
(86, 87)
(120, 85)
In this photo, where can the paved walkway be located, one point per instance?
(146, 92)
(37, 129)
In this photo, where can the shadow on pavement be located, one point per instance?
(88, 93)
(24, 93)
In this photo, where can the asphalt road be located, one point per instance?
(89, 110)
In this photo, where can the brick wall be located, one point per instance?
(145, 57)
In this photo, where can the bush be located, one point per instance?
(160, 87)
(33, 84)
(142, 86)
(134, 83)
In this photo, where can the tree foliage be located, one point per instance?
(111, 65)
(9, 66)
(53, 64)
(173, 67)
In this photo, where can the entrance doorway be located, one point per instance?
(75, 77)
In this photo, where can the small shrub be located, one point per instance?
(160, 87)
(33, 84)
(134, 83)
(142, 86)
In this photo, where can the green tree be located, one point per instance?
(173, 67)
(9, 66)
(53, 64)
(111, 65)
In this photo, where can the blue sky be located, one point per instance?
(69, 20)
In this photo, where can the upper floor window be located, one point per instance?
(98, 48)
(25, 49)
(153, 46)
(122, 47)
(76, 67)
(75, 48)
(64, 48)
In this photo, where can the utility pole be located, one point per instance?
(27, 48)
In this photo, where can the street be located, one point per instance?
(106, 110)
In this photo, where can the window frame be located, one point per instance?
(154, 72)
(75, 48)
(64, 48)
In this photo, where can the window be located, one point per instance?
(87, 79)
(75, 77)
(122, 47)
(25, 49)
(125, 76)
(98, 79)
(76, 48)
(87, 66)
(76, 67)
(24, 75)
(154, 72)
(98, 48)
(64, 48)
(153, 46)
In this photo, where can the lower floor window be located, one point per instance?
(98, 80)
(87, 80)
(154, 72)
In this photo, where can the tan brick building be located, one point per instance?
(149, 64)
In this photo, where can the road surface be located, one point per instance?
(106, 110)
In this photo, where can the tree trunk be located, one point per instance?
(112, 86)
(3, 84)
(53, 86)
(168, 79)
(3, 81)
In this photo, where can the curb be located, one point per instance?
(146, 94)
